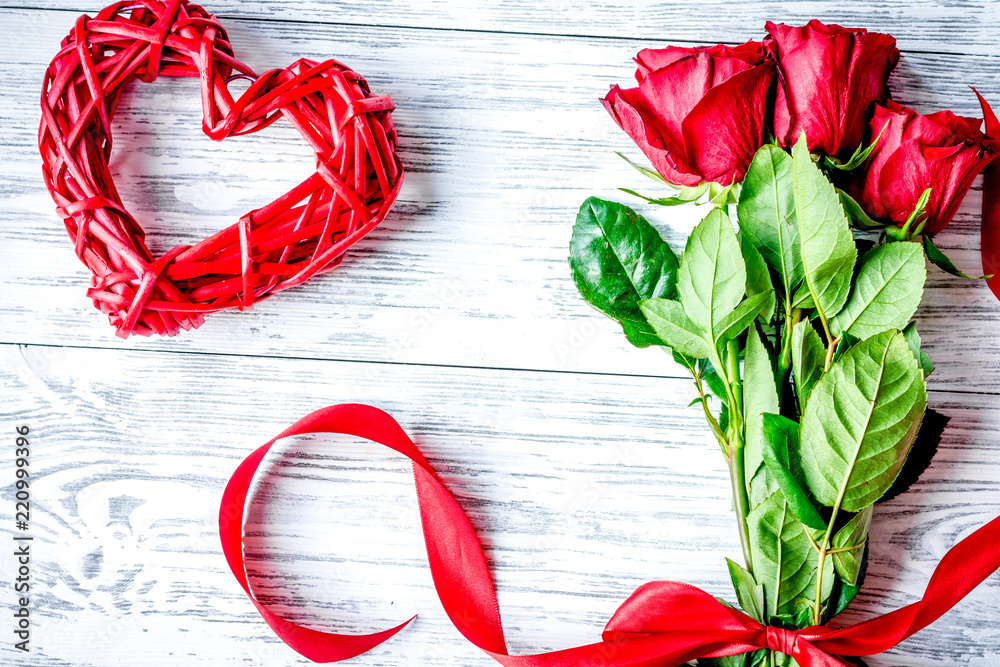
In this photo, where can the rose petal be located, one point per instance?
(829, 77)
(726, 127)
(650, 60)
(659, 147)
(932, 153)
(670, 93)
(992, 124)
(960, 125)
(908, 172)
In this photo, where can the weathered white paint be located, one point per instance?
(963, 26)
(575, 455)
(470, 269)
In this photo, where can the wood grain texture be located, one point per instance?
(580, 491)
(470, 269)
(950, 26)
(576, 456)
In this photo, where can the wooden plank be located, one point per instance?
(470, 269)
(581, 487)
(969, 26)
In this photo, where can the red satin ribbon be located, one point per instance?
(663, 623)
(990, 227)
(990, 242)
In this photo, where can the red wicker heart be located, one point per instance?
(301, 233)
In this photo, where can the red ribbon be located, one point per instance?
(663, 623)
(990, 242)
(990, 226)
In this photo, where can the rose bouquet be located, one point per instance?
(795, 323)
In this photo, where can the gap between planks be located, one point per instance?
(498, 369)
(483, 31)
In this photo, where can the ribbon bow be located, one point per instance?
(662, 623)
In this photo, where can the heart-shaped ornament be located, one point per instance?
(301, 233)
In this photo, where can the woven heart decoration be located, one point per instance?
(303, 232)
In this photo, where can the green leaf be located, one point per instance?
(676, 200)
(856, 213)
(782, 660)
(853, 534)
(781, 438)
(828, 250)
(846, 342)
(715, 384)
(686, 362)
(758, 275)
(844, 596)
(766, 212)
(917, 214)
(760, 395)
(860, 422)
(749, 593)
(913, 340)
(674, 328)
(803, 614)
(617, 260)
(723, 195)
(785, 562)
(844, 593)
(943, 262)
(803, 299)
(737, 321)
(712, 277)
(861, 154)
(761, 484)
(685, 193)
(808, 359)
(690, 192)
(914, 224)
(887, 291)
(645, 171)
(738, 660)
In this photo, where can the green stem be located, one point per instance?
(721, 371)
(785, 358)
(737, 465)
(737, 472)
(831, 348)
(841, 550)
(817, 605)
(735, 383)
(826, 325)
(733, 451)
(709, 417)
(824, 545)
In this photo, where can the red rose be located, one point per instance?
(829, 76)
(941, 151)
(698, 114)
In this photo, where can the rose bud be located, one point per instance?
(942, 151)
(698, 113)
(828, 78)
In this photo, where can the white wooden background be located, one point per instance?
(574, 455)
